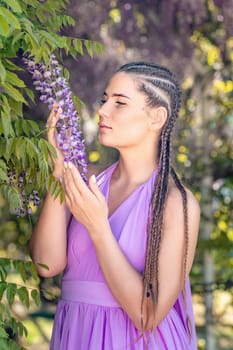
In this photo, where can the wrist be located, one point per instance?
(57, 174)
(99, 231)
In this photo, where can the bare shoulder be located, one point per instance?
(193, 204)
(174, 221)
(175, 201)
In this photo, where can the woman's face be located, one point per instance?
(123, 116)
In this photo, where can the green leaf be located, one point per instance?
(14, 93)
(11, 292)
(13, 198)
(20, 147)
(4, 27)
(22, 331)
(89, 46)
(31, 148)
(26, 127)
(43, 266)
(6, 125)
(78, 103)
(2, 68)
(3, 165)
(14, 5)
(18, 127)
(9, 148)
(55, 40)
(51, 149)
(10, 18)
(23, 296)
(99, 49)
(17, 108)
(18, 37)
(78, 45)
(6, 262)
(31, 268)
(3, 273)
(13, 79)
(11, 66)
(2, 146)
(5, 105)
(3, 175)
(34, 126)
(3, 335)
(3, 286)
(19, 266)
(30, 94)
(36, 296)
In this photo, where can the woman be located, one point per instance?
(126, 242)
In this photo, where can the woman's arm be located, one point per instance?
(48, 244)
(125, 283)
(48, 241)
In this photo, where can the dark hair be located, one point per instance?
(161, 89)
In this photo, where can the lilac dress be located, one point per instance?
(88, 317)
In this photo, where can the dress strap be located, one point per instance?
(88, 292)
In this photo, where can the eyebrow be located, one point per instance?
(117, 95)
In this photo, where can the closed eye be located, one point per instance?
(102, 101)
(120, 103)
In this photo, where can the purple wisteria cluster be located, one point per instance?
(53, 87)
(28, 201)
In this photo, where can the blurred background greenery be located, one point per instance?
(194, 39)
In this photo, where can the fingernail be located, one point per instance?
(70, 165)
(60, 179)
(93, 178)
(65, 165)
(59, 110)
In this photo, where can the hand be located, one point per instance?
(52, 138)
(87, 204)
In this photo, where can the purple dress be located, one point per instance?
(88, 317)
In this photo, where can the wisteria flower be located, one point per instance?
(52, 88)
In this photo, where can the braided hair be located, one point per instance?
(160, 87)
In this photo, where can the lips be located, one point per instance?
(103, 126)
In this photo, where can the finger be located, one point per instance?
(54, 116)
(75, 178)
(51, 124)
(94, 187)
(67, 190)
(69, 184)
(52, 113)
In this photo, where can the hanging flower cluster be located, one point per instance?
(28, 199)
(54, 88)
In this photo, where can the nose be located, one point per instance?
(103, 110)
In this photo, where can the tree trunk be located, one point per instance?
(208, 265)
(207, 219)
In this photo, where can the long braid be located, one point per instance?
(161, 89)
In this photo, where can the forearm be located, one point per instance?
(123, 280)
(48, 241)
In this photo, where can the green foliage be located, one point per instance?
(10, 327)
(33, 27)
(208, 110)
(29, 26)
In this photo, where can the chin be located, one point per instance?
(104, 141)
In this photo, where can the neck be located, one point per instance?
(135, 168)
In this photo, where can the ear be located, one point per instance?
(158, 118)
